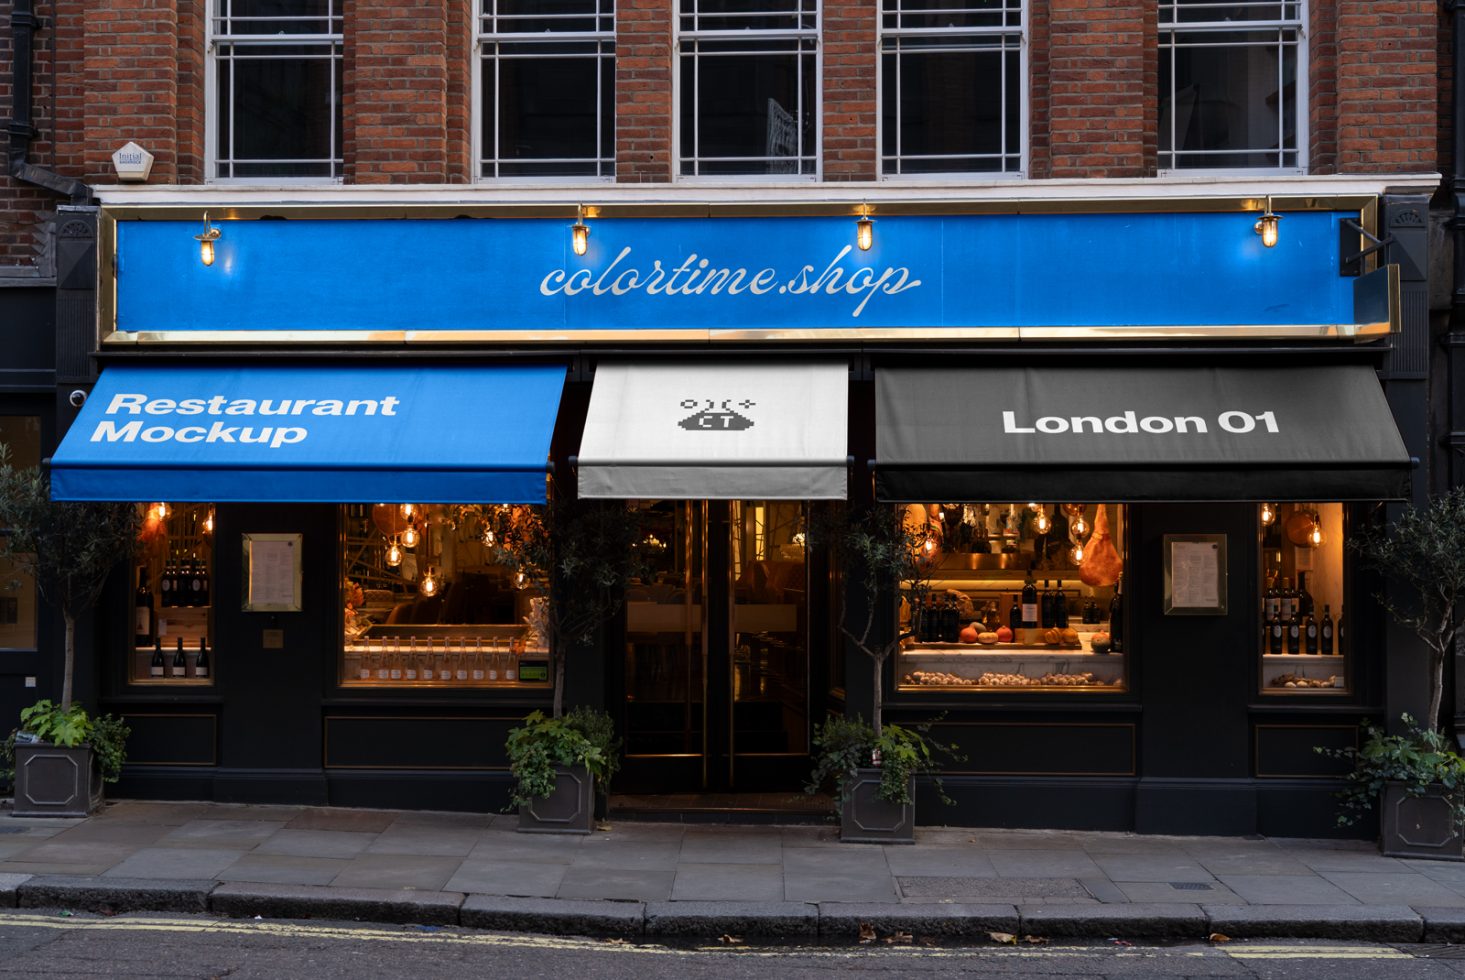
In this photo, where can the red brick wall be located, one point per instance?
(1386, 84)
(643, 74)
(23, 209)
(1322, 80)
(131, 79)
(1101, 61)
(397, 108)
(851, 50)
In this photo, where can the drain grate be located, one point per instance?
(1190, 886)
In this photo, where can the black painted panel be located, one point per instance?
(1286, 751)
(1306, 809)
(1045, 802)
(1041, 748)
(429, 743)
(472, 792)
(172, 740)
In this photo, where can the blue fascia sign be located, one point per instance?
(663, 278)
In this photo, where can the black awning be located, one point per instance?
(1136, 433)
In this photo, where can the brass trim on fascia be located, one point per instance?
(325, 748)
(1256, 751)
(106, 325)
(1133, 746)
(429, 338)
(213, 739)
(1364, 204)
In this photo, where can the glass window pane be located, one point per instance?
(1001, 607)
(749, 106)
(427, 602)
(1303, 637)
(170, 631)
(547, 107)
(951, 103)
(255, 17)
(284, 110)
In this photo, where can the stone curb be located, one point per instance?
(325, 902)
(732, 918)
(1379, 923)
(97, 894)
(1124, 921)
(557, 916)
(1443, 925)
(9, 886)
(838, 920)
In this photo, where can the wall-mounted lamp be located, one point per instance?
(865, 229)
(206, 241)
(1266, 225)
(580, 233)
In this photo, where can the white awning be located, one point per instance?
(754, 430)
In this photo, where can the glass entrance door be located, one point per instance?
(716, 661)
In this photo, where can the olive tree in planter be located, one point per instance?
(70, 549)
(579, 557)
(1417, 779)
(874, 765)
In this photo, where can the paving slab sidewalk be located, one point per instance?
(647, 879)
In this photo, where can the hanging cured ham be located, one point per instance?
(1101, 562)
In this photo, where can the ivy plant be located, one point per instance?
(844, 745)
(71, 727)
(583, 737)
(1423, 759)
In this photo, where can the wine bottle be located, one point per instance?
(1274, 632)
(1304, 597)
(1116, 622)
(195, 584)
(1294, 635)
(1014, 617)
(1325, 631)
(1273, 600)
(1309, 633)
(1060, 607)
(477, 659)
(155, 667)
(1029, 604)
(1045, 606)
(143, 606)
(165, 585)
(1289, 600)
(203, 572)
(201, 665)
(180, 661)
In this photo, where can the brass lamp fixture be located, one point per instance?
(206, 241)
(865, 229)
(580, 232)
(1266, 225)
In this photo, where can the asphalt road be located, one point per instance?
(53, 944)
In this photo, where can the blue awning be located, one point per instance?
(301, 433)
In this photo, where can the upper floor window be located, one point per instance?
(952, 86)
(276, 76)
(1232, 85)
(547, 88)
(748, 87)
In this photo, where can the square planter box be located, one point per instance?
(570, 809)
(51, 781)
(1418, 826)
(867, 819)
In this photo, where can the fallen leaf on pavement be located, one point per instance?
(1035, 940)
(727, 940)
(1120, 942)
(1219, 937)
(1005, 938)
(897, 937)
(615, 941)
(867, 932)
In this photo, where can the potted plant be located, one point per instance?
(876, 801)
(875, 765)
(69, 549)
(558, 764)
(59, 758)
(1416, 774)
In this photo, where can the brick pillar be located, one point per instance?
(851, 51)
(1386, 85)
(1101, 88)
(461, 26)
(643, 73)
(396, 106)
(1322, 84)
(131, 78)
(192, 113)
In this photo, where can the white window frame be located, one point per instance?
(684, 45)
(1299, 25)
(215, 38)
(484, 39)
(1019, 35)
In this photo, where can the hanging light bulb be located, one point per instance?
(1033, 505)
(428, 585)
(1079, 526)
(519, 580)
(488, 537)
(163, 511)
(1042, 524)
(208, 523)
(409, 536)
(1269, 514)
(394, 554)
(1076, 554)
(408, 510)
(1315, 536)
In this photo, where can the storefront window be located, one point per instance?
(21, 435)
(172, 639)
(1017, 596)
(1304, 647)
(431, 599)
